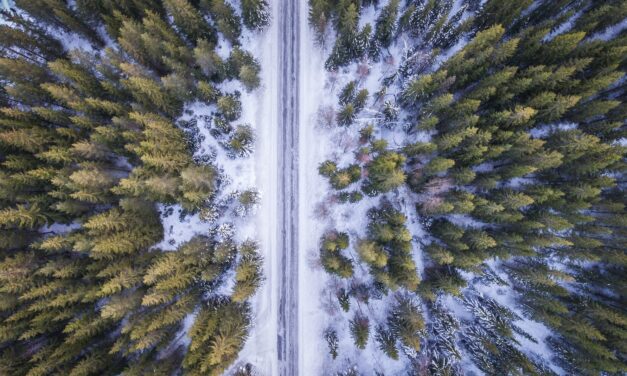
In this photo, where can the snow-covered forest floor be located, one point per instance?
(321, 211)
(260, 349)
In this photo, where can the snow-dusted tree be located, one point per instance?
(330, 335)
(331, 255)
(360, 330)
(255, 14)
(386, 341)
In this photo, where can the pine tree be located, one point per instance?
(255, 14)
(387, 342)
(28, 39)
(405, 322)
(501, 12)
(189, 20)
(59, 14)
(230, 107)
(331, 257)
(85, 291)
(386, 23)
(521, 121)
(385, 173)
(217, 335)
(248, 275)
(208, 60)
(226, 19)
(372, 254)
(330, 336)
(241, 141)
(360, 330)
(344, 299)
(22, 216)
(319, 17)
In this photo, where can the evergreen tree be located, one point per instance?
(331, 257)
(385, 173)
(360, 330)
(330, 336)
(320, 16)
(387, 342)
(226, 19)
(57, 13)
(511, 146)
(406, 323)
(189, 20)
(255, 14)
(385, 25)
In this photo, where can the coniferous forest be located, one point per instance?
(89, 145)
(473, 220)
(499, 127)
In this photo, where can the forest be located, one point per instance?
(467, 216)
(489, 155)
(91, 149)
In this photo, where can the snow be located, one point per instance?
(178, 227)
(183, 337)
(546, 129)
(564, 27)
(318, 305)
(6, 4)
(72, 41)
(506, 296)
(319, 308)
(223, 49)
(238, 174)
(611, 32)
(260, 108)
(457, 5)
(369, 15)
(69, 40)
(447, 54)
(319, 212)
(527, 11)
(455, 306)
(465, 221)
(313, 146)
(59, 228)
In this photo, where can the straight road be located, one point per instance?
(287, 147)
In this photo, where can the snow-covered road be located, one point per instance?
(273, 344)
(283, 340)
(287, 146)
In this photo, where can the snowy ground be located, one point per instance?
(319, 308)
(259, 171)
(314, 144)
(5, 4)
(261, 109)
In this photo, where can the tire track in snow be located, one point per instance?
(287, 147)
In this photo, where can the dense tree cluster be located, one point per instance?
(514, 151)
(89, 145)
(388, 249)
(334, 262)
